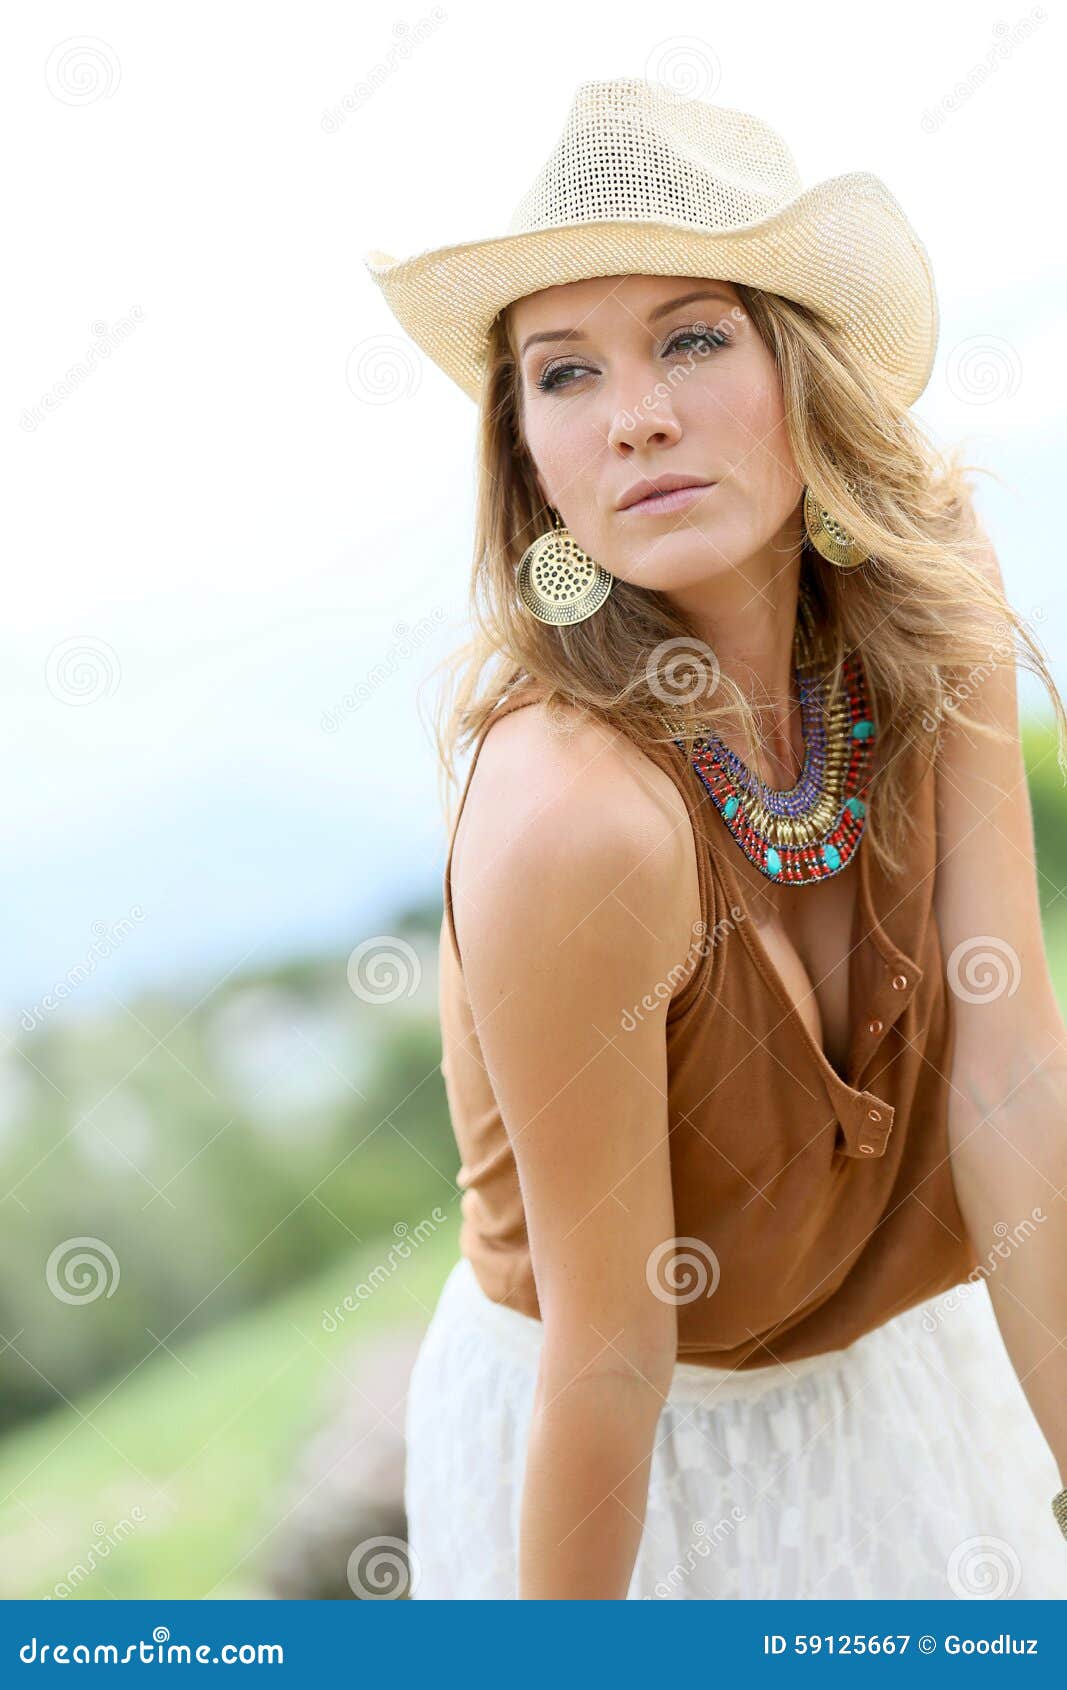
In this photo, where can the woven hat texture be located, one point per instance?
(646, 182)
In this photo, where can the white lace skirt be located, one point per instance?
(908, 1465)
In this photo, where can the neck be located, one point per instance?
(748, 619)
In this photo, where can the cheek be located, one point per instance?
(556, 434)
(566, 450)
(749, 404)
(751, 426)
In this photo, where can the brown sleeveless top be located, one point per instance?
(828, 1202)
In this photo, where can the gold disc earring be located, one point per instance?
(828, 537)
(558, 582)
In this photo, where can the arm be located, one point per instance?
(570, 902)
(1008, 1104)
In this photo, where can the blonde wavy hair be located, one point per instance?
(924, 611)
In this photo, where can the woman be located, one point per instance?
(762, 1279)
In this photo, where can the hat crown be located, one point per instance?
(635, 151)
(647, 182)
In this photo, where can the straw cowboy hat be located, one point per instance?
(643, 181)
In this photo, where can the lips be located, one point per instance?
(658, 487)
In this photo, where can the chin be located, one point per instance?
(676, 561)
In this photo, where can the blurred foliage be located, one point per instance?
(1048, 802)
(213, 1153)
(177, 1484)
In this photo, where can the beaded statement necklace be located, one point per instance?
(811, 830)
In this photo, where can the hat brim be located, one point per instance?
(843, 247)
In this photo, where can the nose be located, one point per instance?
(650, 421)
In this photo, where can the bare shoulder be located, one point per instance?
(984, 554)
(569, 894)
(578, 813)
(986, 885)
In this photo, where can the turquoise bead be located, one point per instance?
(856, 805)
(729, 809)
(831, 856)
(862, 730)
(774, 861)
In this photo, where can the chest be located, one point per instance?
(807, 934)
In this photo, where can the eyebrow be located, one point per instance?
(653, 317)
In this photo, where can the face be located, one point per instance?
(630, 378)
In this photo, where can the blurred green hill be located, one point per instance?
(172, 1163)
(169, 1484)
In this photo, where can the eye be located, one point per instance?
(706, 339)
(548, 380)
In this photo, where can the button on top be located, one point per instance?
(874, 1114)
(899, 982)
